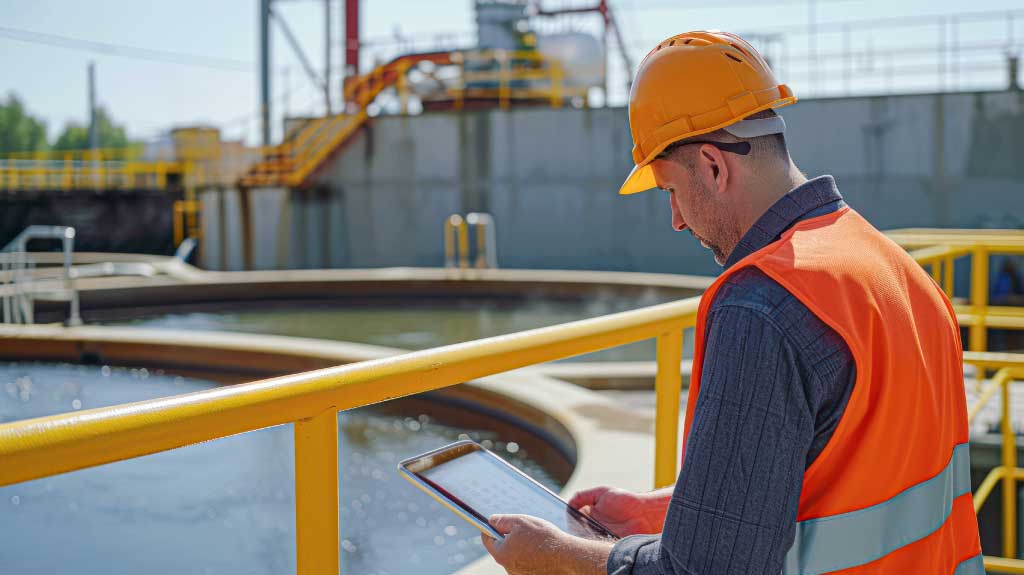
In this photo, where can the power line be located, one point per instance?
(181, 58)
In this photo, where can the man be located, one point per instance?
(826, 425)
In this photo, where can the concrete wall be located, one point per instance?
(131, 221)
(550, 178)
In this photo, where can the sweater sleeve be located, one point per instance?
(733, 510)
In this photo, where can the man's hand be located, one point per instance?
(624, 512)
(533, 546)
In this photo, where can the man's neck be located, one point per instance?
(770, 190)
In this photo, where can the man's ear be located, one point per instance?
(714, 160)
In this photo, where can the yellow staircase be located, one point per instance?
(293, 162)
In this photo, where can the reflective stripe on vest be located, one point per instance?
(859, 537)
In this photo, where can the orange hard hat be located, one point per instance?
(694, 83)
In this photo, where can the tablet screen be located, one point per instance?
(484, 485)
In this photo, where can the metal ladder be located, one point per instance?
(21, 286)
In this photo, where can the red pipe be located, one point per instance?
(352, 37)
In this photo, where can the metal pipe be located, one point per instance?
(979, 299)
(68, 245)
(947, 277)
(486, 240)
(943, 55)
(1009, 449)
(327, 57)
(451, 225)
(352, 38)
(668, 388)
(463, 231)
(265, 71)
(94, 133)
(812, 45)
(847, 60)
(316, 494)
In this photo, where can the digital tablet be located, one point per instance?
(475, 484)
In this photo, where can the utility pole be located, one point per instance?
(327, 57)
(812, 46)
(603, 9)
(286, 103)
(94, 130)
(265, 71)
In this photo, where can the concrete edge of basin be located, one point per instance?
(614, 445)
(177, 283)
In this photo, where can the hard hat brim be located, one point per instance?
(639, 180)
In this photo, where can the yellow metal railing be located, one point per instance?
(41, 447)
(69, 174)
(46, 446)
(1008, 472)
(518, 75)
(938, 250)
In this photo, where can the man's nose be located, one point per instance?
(677, 218)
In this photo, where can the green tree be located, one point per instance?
(20, 132)
(76, 136)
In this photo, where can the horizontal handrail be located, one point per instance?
(47, 446)
(933, 254)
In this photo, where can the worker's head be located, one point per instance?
(704, 129)
(712, 178)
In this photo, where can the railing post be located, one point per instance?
(68, 247)
(316, 494)
(979, 299)
(403, 87)
(1009, 448)
(556, 83)
(504, 90)
(668, 385)
(66, 181)
(179, 234)
(463, 231)
(460, 93)
(947, 276)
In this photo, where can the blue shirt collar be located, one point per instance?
(813, 198)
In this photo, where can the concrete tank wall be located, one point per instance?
(550, 178)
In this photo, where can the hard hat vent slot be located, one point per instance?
(740, 48)
(734, 58)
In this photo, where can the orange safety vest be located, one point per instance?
(891, 491)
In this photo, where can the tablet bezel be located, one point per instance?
(458, 449)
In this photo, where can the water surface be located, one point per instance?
(226, 506)
(409, 325)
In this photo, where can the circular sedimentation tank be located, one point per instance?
(228, 506)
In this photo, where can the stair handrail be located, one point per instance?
(18, 299)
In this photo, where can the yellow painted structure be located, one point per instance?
(938, 250)
(201, 160)
(186, 220)
(47, 446)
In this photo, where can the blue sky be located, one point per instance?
(150, 97)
